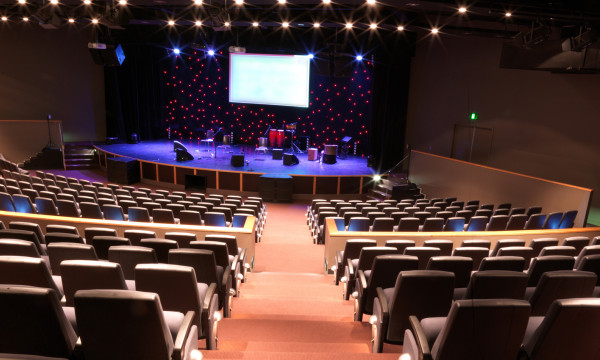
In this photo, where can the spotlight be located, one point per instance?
(317, 25)
(434, 31)
(25, 19)
(281, 1)
(171, 22)
(21, 2)
(211, 52)
(377, 178)
(326, 1)
(348, 25)
(311, 56)
(462, 9)
(373, 26)
(227, 24)
(255, 24)
(285, 24)
(94, 21)
(176, 51)
(122, 2)
(371, 2)
(508, 14)
(71, 20)
(198, 23)
(400, 28)
(239, 2)
(54, 2)
(359, 57)
(4, 18)
(87, 2)
(197, 2)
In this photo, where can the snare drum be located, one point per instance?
(272, 137)
(280, 137)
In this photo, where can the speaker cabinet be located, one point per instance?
(277, 154)
(183, 155)
(237, 160)
(123, 170)
(329, 159)
(290, 159)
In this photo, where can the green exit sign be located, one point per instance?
(474, 116)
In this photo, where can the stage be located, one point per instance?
(157, 162)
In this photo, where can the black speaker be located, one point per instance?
(290, 159)
(237, 160)
(329, 159)
(183, 155)
(277, 154)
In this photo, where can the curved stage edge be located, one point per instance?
(349, 177)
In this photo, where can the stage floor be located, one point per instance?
(217, 158)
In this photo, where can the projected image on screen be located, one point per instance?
(269, 79)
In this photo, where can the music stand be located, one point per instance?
(344, 149)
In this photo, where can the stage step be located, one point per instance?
(80, 155)
(48, 158)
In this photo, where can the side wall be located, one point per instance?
(51, 72)
(544, 124)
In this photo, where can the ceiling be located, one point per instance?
(560, 18)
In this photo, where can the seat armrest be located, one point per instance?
(235, 262)
(206, 305)
(182, 336)
(350, 268)
(361, 282)
(226, 280)
(242, 256)
(338, 258)
(422, 344)
(384, 304)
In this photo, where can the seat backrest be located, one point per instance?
(497, 223)
(553, 220)
(163, 216)
(129, 256)
(553, 340)
(45, 206)
(57, 237)
(135, 235)
(400, 244)
(90, 232)
(538, 244)
(578, 242)
(422, 293)
(117, 324)
(424, 253)
(497, 284)
(455, 223)
(559, 250)
(27, 235)
(409, 224)
(59, 251)
(506, 243)
(230, 240)
(90, 210)
(476, 243)
(384, 273)
(34, 323)
(113, 212)
(190, 217)
(444, 245)
(67, 208)
(383, 224)
(6, 203)
(89, 274)
(535, 221)
(473, 330)
(212, 218)
(23, 204)
(203, 262)
(183, 239)
(516, 222)
(522, 251)
(103, 243)
(477, 223)
(219, 249)
(460, 266)
(28, 226)
(509, 263)
(163, 278)
(137, 213)
(161, 247)
(359, 223)
(23, 270)
(433, 224)
(542, 264)
(563, 284)
(588, 250)
(475, 253)
(18, 247)
(368, 254)
(568, 219)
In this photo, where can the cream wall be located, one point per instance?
(545, 124)
(51, 72)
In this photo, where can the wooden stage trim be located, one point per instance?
(244, 181)
(245, 236)
(336, 240)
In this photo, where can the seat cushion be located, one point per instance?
(432, 327)
(173, 319)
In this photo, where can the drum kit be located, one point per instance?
(279, 138)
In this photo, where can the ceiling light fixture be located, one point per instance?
(348, 25)
(317, 25)
(400, 28)
(462, 9)
(435, 31)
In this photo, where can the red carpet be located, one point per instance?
(288, 309)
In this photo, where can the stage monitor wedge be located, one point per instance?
(183, 155)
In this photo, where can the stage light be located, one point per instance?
(171, 22)
(239, 2)
(435, 31)
(311, 56)
(25, 19)
(377, 178)
(316, 25)
(373, 26)
(400, 28)
(54, 2)
(176, 51)
(87, 2)
(285, 24)
(348, 25)
(22, 2)
(94, 21)
(227, 24)
(122, 2)
(326, 1)
(197, 2)
(371, 2)
(198, 23)
(255, 24)
(211, 52)
(71, 20)
(359, 57)
(462, 9)
(281, 1)
(4, 18)
(508, 14)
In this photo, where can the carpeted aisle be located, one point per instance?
(288, 309)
